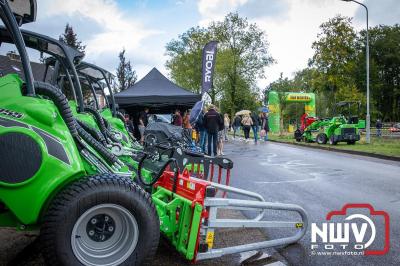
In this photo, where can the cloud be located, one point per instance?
(380, 12)
(291, 40)
(143, 27)
(100, 24)
(212, 10)
(276, 9)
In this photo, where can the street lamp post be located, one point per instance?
(368, 118)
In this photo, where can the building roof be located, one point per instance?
(10, 64)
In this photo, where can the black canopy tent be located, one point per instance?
(157, 92)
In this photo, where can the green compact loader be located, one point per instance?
(344, 127)
(100, 219)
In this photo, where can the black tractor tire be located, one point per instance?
(321, 138)
(351, 142)
(332, 140)
(101, 208)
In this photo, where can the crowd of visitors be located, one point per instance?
(211, 127)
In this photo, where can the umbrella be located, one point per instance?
(243, 112)
(263, 109)
(196, 110)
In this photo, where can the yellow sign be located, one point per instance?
(210, 239)
(298, 97)
(273, 108)
(308, 108)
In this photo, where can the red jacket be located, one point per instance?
(178, 120)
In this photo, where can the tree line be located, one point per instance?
(337, 70)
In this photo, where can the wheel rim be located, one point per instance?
(106, 234)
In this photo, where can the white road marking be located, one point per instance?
(285, 181)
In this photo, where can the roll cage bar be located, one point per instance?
(64, 54)
(348, 105)
(15, 37)
(95, 74)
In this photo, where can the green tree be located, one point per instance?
(70, 38)
(125, 74)
(246, 55)
(242, 56)
(185, 55)
(384, 70)
(334, 56)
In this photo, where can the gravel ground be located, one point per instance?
(20, 248)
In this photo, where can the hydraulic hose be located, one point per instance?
(98, 118)
(110, 158)
(101, 122)
(159, 173)
(60, 101)
(75, 129)
(96, 134)
(120, 116)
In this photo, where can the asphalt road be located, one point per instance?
(320, 182)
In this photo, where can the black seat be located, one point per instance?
(353, 120)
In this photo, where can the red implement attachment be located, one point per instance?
(195, 225)
(306, 121)
(213, 169)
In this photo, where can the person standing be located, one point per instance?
(177, 119)
(129, 124)
(378, 126)
(212, 120)
(247, 123)
(264, 126)
(186, 124)
(202, 130)
(143, 121)
(221, 134)
(255, 126)
(227, 123)
(237, 123)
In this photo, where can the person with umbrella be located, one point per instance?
(197, 121)
(247, 123)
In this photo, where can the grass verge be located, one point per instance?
(383, 146)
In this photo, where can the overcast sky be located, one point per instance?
(143, 27)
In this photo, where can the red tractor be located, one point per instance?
(305, 122)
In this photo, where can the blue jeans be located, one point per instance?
(266, 136)
(236, 130)
(255, 131)
(378, 132)
(212, 139)
(203, 140)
